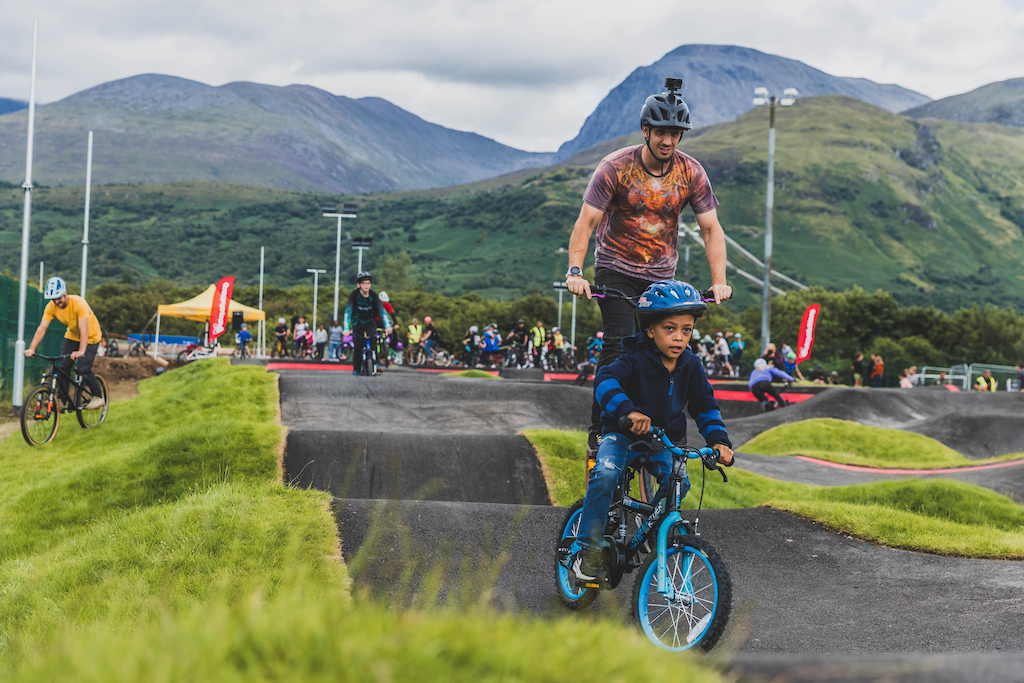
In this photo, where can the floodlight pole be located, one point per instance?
(85, 234)
(765, 98)
(316, 284)
(40, 276)
(18, 389)
(560, 287)
(346, 212)
(261, 341)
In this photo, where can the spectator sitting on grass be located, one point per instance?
(817, 375)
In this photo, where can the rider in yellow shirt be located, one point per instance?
(81, 341)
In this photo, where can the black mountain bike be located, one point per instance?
(682, 594)
(40, 414)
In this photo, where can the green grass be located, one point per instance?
(928, 515)
(475, 374)
(163, 546)
(851, 443)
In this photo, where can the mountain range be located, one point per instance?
(154, 129)
(1001, 103)
(931, 211)
(7, 106)
(718, 86)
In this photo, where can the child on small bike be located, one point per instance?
(760, 384)
(654, 379)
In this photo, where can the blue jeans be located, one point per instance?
(332, 350)
(613, 457)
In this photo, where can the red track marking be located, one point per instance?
(493, 373)
(730, 395)
(951, 387)
(551, 376)
(884, 470)
(304, 366)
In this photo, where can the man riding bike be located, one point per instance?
(361, 314)
(81, 341)
(518, 337)
(634, 200)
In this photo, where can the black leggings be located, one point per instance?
(84, 366)
(765, 387)
(360, 333)
(618, 319)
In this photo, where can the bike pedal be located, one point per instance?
(592, 585)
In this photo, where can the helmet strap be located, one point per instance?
(647, 138)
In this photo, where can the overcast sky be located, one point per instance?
(525, 72)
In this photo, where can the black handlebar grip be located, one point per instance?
(625, 423)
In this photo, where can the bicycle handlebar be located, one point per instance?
(606, 292)
(51, 358)
(708, 456)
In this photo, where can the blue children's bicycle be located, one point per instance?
(682, 593)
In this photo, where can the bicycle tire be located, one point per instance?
(113, 351)
(442, 358)
(183, 358)
(91, 418)
(698, 574)
(569, 593)
(40, 415)
(366, 361)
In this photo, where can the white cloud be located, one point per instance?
(525, 72)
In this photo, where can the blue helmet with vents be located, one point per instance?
(668, 297)
(55, 288)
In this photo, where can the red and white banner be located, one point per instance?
(219, 312)
(806, 341)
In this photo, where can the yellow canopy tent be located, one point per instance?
(198, 308)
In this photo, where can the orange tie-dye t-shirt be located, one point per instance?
(637, 235)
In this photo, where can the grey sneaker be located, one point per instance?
(589, 567)
(95, 403)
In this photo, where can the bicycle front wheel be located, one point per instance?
(570, 592)
(442, 358)
(83, 395)
(40, 415)
(698, 610)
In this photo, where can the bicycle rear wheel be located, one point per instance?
(442, 358)
(696, 615)
(91, 418)
(40, 415)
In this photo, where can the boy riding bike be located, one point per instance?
(654, 378)
(760, 384)
(361, 313)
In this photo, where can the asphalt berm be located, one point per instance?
(804, 598)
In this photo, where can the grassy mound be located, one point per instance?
(852, 443)
(162, 546)
(928, 515)
(476, 374)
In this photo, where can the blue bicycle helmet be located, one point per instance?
(668, 297)
(55, 288)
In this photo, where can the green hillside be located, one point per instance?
(932, 212)
(993, 103)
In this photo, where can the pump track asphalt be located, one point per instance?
(429, 472)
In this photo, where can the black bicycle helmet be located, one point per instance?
(668, 297)
(666, 110)
(363, 275)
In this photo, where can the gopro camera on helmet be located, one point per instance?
(673, 84)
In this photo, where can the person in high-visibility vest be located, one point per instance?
(415, 331)
(985, 382)
(538, 335)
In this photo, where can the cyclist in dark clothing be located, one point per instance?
(361, 315)
(517, 337)
(280, 338)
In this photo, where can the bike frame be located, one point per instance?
(673, 519)
(49, 377)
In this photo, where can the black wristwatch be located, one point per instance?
(575, 271)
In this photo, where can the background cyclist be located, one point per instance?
(81, 341)
(634, 200)
(280, 339)
(360, 319)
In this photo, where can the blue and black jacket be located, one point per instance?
(638, 380)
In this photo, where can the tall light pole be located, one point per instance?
(316, 284)
(19, 346)
(361, 244)
(763, 97)
(560, 287)
(85, 233)
(330, 211)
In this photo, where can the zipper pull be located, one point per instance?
(671, 383)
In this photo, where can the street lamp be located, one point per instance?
(560, 287)
(331, 211)
(764, 97)
(316, 283)
(361, 244)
